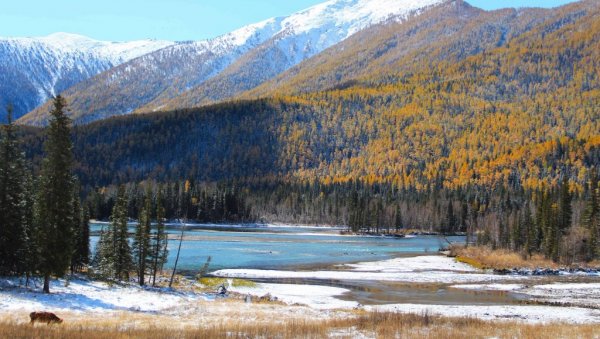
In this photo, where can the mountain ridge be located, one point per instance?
(157, 77)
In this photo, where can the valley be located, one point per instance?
(356, 169)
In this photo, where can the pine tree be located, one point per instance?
(159, 241)
(530, 231)
(75, 265)
(450, 224)
(113, 258)
(141, 239)
(398, 219)
(31, 255)
(104, 256)
(14, 220)
(82, 245)
(123, 261)
(566, 208)
(591, 217)
(54, 201)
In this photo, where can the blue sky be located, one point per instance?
(122, 20)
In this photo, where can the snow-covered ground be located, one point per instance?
(422, 269)
(86, 296)
(580, 302)
(318, 297)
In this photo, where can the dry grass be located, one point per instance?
(484, 257)
(380, 325)
(214, 283)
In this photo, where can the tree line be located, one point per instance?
(558, 222)
(189, 199)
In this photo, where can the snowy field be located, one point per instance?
(580, 301)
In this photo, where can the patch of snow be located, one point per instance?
(491, 287)
(318, 297)
(423, 269)
(578, 294)
(421, 263)
(570, 286)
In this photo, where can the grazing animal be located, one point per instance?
(44, 317)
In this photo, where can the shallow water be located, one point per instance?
(283, 247)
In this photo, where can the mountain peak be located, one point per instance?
(358, 13)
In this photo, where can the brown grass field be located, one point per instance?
(486, 258)
(376, 325)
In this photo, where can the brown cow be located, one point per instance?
(44, 317)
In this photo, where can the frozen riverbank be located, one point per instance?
(575, 302)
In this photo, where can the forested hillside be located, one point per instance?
(522, 114)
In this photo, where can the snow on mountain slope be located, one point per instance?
(297, 38)
(256, 52)
(34, 69)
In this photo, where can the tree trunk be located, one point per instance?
(176, 258)
(142, 277)
(47, 283)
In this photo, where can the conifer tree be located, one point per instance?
(398, 219)
(113, 258)
(82, 245)
(159, 251)
(450, 224)
(54, 201)
(75, 265)
(104, 256)
(591, 217)
(141, 239)
(529, 231)
(566, 208)
(14, 218)
(123, 261)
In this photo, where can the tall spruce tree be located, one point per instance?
(123, 261)
(81, 258)
(76, 228)
(141, 239)
(104, 256)
(566, 208)
(54, 200)
(159, 240)
(398, 219)
(14, 220)
(591, 217)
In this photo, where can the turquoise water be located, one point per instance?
(296, 247)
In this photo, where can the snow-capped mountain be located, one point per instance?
(217, 69)
(34, 69)
(295, 39)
